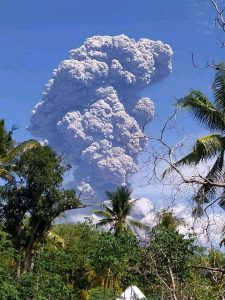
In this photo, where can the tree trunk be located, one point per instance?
(173, 292)
(18, 272)
(27, 262)
(29, 251)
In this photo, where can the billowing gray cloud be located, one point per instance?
(91, 110)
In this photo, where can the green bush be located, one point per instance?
(45, 286)
(102, 294)
(8, 291)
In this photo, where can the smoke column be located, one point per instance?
(91, 111)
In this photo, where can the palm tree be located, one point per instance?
(117, 213)
(210, 114)
(9, 149)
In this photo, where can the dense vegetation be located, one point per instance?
(42, 261)
(96, 264)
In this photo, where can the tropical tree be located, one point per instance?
(9, 149)
(168, 219)
(117, 212)
(210, 114)
(112, 260)
(167, 256)
(34, 200)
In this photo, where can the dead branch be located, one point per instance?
(219, 20)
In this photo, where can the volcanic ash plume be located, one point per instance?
(91, 111)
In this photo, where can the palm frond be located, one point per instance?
(218, 87)
(222, 204)
(189, 159)
(222, 241)
(19, 150)
(128, 227)
(120, 200)
(138, 224)
(205, 148)
(119, 210)
(110, 195)
(105, 221)
(108, 209)
(207, 191)
(208, 146)
(102, 213)
(203, 110)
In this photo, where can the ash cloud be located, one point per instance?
(91, 110)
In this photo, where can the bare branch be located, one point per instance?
(220, 18)
(221, 270)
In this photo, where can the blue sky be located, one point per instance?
(35, 36)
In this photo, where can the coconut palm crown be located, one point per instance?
(117, 213)
(211, 115)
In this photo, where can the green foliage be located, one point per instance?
(73, 261)
(203, 283)
(37, 192)
(117, 212)
(95, 264)
(102, 294)
(6, 142)
(171, 250)
(167, 219)
(9, 150)
(91, 258)
(7, 252)
(114, 251)
(167, 258)
(8, 291)
(43, 286)
(40, 261)
(112, 258)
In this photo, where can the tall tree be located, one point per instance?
(112, 258)
(34, 200)
(117, 213)
(9, 149)
(210, 114)
(167, 257)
